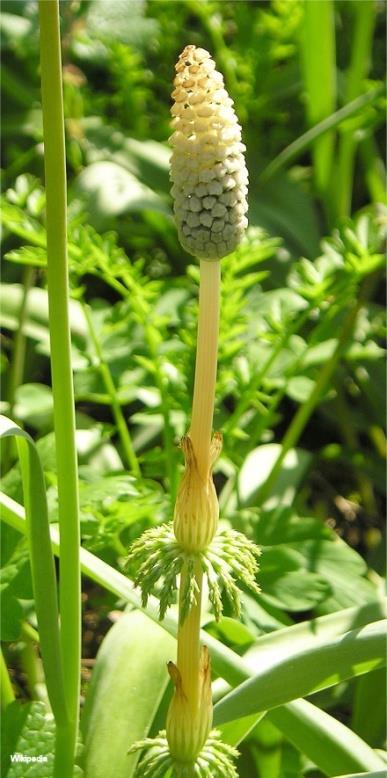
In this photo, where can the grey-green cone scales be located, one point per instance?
(208, 168)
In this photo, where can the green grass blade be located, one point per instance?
(370, 694)
(307, 671)
(319, 72)
(326, 741)
(42, 565)
(373, 774)
(364, 20)
(234, 732)
(280, 644)
(61, 366)
(295, 149)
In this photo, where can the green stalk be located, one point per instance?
(188, 641)
(18, 358)
(333, 121)
(7, 693)
(364, 11)
(319, 65)
(62, 383)
(126, 441)
(19, 343)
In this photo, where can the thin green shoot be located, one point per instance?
(62, 380)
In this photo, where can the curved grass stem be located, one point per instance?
(61, 369)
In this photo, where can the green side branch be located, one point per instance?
(229, 558)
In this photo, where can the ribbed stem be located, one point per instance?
(206, 363)
(188, 642)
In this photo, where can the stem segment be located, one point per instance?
(206, 363)
(188, 641)
(64, 412)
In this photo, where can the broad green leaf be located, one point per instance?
(345, 570)
(258, 465)
(231, 631)
(113, 21)
(286, 581)
(313, 547)
(111, 190)
(266, 746)
(234, 732)
(326, 741)
(34, 405)
(36, 740)
(127, 685)
(15, 585)
(281, 207)
(307, 671)
(148, 161)
(36, 320)
(370, 694)
(13, 720)
(298, 590)
(11, 614)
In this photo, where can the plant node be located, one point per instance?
(214, 761)
(229, 558)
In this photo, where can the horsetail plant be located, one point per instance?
(209, 188)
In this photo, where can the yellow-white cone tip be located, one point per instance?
(208, 168)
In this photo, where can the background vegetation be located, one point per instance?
(301, 381)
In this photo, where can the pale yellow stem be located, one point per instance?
(188, 643)
(206, 363)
